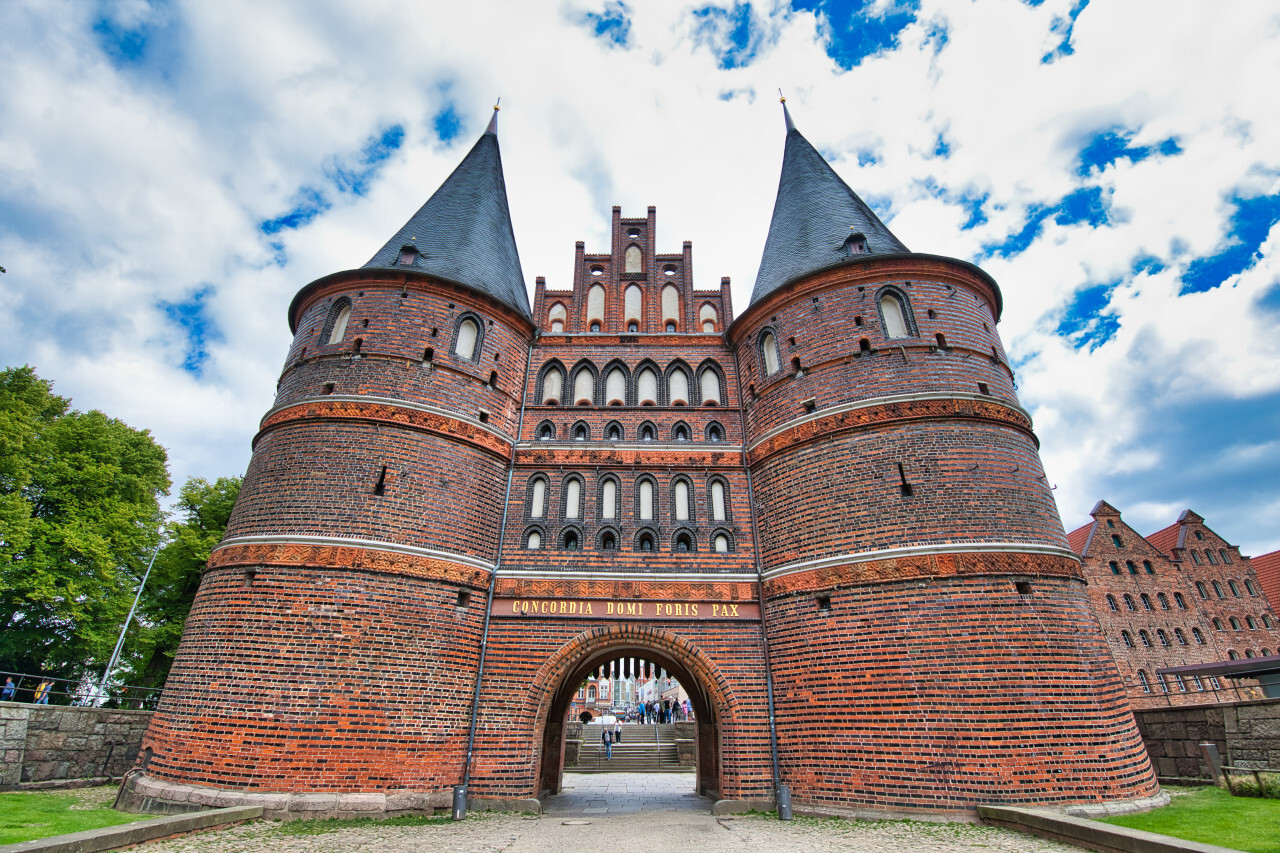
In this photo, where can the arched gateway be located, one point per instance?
(814, 515)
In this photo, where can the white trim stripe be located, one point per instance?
(353, 542)
(542, 574)
(394, 403)
(920, 550)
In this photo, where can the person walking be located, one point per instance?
(42, 692)
(606, 737)
(617, 731)
(9, 688)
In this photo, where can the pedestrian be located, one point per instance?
(42, 692)
(617, 732)
(606, 737)
(9, 688)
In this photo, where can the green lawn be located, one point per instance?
(40, 814)
(1212, 816)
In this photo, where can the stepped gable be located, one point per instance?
(814, 217)
(463, 233)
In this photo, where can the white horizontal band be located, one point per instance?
(920, 550)
(647, 445)
(355, 542)
(883, 401)
(542, 574)
(394, 402)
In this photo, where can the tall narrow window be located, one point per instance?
(609, 499)
(707, 317)
(721, 543)
(615, 387)
(682, 501)
(595, 305)
(632, 300)
(535, 540)
(717, 501)
(1111, 602)
(631, 260)
(538, 499)
(572, 499)
(339, 330)
(1142, 678)
(895, 321)
(557, 316)
(769, 349)
(1163, 599)
(1235, 589)
(1180, 601)
(670, 307)
(552, 386)
(584, 390)
(646, 499)
(468, 331)
(678, 387)
(710, 382)
(647, 387)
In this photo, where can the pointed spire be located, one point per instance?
(786, 115)
(816, 219)
(493, 122)
(463, 233)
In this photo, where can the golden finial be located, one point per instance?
(498, 105)
(782, 99)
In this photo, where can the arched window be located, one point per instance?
(1235, 624)
(1115, 567)
(1248, 620)
(571, 540)
(1217, 624)
(615, 387)
(1231, 653)
(613, 432)
(645, 542)
(715, 433)
(1266, 621)
(683, 543)
(1142, 679)
(671, 308)
(647, 432)
(682, 500)
(678, 387)
(721, 543)
(1115, 540)
(1146, 601)
(1128, 602)
(609, 498)
(1145, 638)
(1222, 552)
(1235, 589)
(631, 260)
(1195, 556)
(1217, 590)
(645, 500)
(1163, 685)
(1248, 653)
(557, 316)
(538, 497)
(769, 353)
(1111, 602)
(680, 433)
(1248, 587)
(534, 540)
(468, 336)
(632, 300)
(573, 498)
(546, 432)
(1146, 564)
(581, 431)
(717, 501)
(552, 386)
(1201, 590)
(1128, 564)
(339, 316)
(647, 387)
(1195, 632)
(1162, 636)
(710, 382)
(1181, 637)
(584, 387)
(608, 541)
(1180, 601)
(1163, 599)
(707, 317)
(1127, 637)
(595, 306)
(894, 313)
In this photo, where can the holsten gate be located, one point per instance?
(825, 516)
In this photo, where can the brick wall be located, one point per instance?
(44, 743)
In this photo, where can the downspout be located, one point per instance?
(781, 791)
(460, 791)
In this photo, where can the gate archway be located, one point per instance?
(558, 679)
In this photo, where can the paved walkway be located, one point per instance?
(625, 793)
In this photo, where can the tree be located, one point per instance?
(204, 508)
(79, 516)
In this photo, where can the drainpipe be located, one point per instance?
(781, 792)
(460, 791)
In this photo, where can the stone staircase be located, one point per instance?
(644, 749)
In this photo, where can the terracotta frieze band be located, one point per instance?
(383, 410)
(365, 555)
(873, 413)
(922, 565)
(737, 587)
(642, 609)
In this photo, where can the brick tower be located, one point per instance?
(826, 518)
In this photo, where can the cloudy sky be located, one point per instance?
(172, 172)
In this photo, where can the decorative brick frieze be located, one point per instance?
(369, 557)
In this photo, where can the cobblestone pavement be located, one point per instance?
(636, 806)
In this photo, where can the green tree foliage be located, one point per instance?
(79, 517)
(203, 509)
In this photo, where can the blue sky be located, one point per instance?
(172, 172)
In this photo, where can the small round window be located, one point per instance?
(633, 233)
(669, 269)
(597, 270)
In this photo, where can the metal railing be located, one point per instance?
(75, 691)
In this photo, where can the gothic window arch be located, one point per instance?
(595, 308)
(1181, 637)
(557, 317)
(608, 539)
(1142, 679)
(1111, 602)
(646, 498)
(1162, 637)
(546, 431)
(896, 318)
(335, 324)
(580, 431)
(1146, 601)
(536, 496)
(613, 431)
(681, 432)
(633, 307)
(646, 539)
(647, 432)
(584, 384)
(571, 497)
(1180, 601)
(550, 386)
(468, 337)
(533, 538)
(1163, 599)
(617, 382)
(1195, 632)
(1128, 602)
(721, 541)
(770, 357)
(610, 493)
(1235, 588)
(648, 385)
(678, 384)
(1201, 590)
(707, 318)
(671, 308)
(718, 499)
(710, 383)
(682, 508)
(684, 542)
(632, 259)
(1127, 637)
(1217, 589)
(1144, 637)
(571, 538)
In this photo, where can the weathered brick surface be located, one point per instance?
(43, 743)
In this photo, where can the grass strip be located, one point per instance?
(1212, 816)
(28, 815)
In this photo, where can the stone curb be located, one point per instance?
(126, 835)
(1090, 834)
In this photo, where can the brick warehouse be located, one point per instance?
(827, 517)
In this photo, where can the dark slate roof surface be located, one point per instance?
(815, 213)
(463, 233)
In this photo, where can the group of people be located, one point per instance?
(41, 696)
(665, 711)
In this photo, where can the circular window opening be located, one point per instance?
(633, 233)
(597, 270)
(669, 269)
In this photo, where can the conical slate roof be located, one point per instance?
(463, 233)
(813, 217)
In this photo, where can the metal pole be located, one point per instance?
(115, 655)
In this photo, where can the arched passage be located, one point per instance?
(559, 677)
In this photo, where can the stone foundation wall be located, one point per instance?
(43, 743)
(1247, 735)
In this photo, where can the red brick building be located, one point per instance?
(825, 516)
(1267, 568)
(1181, 596)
